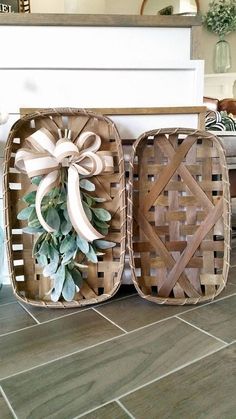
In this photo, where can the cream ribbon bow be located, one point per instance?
(46, 156)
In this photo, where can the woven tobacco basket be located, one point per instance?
(102, 279)
(178, 216)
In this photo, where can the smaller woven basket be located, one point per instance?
(101, 280)
(179, 216)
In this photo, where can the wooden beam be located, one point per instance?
(138, 111)
(51, 19)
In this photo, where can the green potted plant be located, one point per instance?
(221, 20)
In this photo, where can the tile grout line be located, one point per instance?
(83, 349)
(202, 330)
(125, 409)
(80, 310)
(152, 381)
(232, 343)
(108, 302)
(94, 409)
(172, 371)
(18, 330)
(61, 357)
(7, 304)
(109, 320)
(45, 322)
(8, 403)
(28, 312)
(196, 307)
(125, 297)
(80, 350)
(89, 347)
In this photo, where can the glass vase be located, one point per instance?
(222, 58)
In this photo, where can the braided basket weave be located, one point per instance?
(179, 216)
(101, 280)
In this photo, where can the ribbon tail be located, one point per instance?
(45, 186)
(76, 211)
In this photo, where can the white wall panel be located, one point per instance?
(132, 126)
(92, 47)
(101, 88)
(4, 131)
(220, 86)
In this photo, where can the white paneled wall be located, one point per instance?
(101, 88)
(220, 85)
(106, 67)
(132, 126)
(93, 47)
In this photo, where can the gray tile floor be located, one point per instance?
(126, 358)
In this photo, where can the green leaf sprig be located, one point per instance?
(221, 17)
(63, 254)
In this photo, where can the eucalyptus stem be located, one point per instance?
(57, 252)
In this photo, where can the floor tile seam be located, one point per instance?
(109, 320)
(64, 315)
(82, 309)
(61, 357)
(125, 297)
(44, 322)
(124, 409)
(152, 381)
(19, 330)
(177, 369)
(199, 306)
(94, 409)
(88, 347)
(7, 304)
(117, 401)
(154, 323)
(8, 403)
(202, 330)
(84, 349)
(29, 313)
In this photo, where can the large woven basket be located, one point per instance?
(178, 216)
(101, 280)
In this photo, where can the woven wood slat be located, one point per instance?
(101, 280)
(178, 217)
